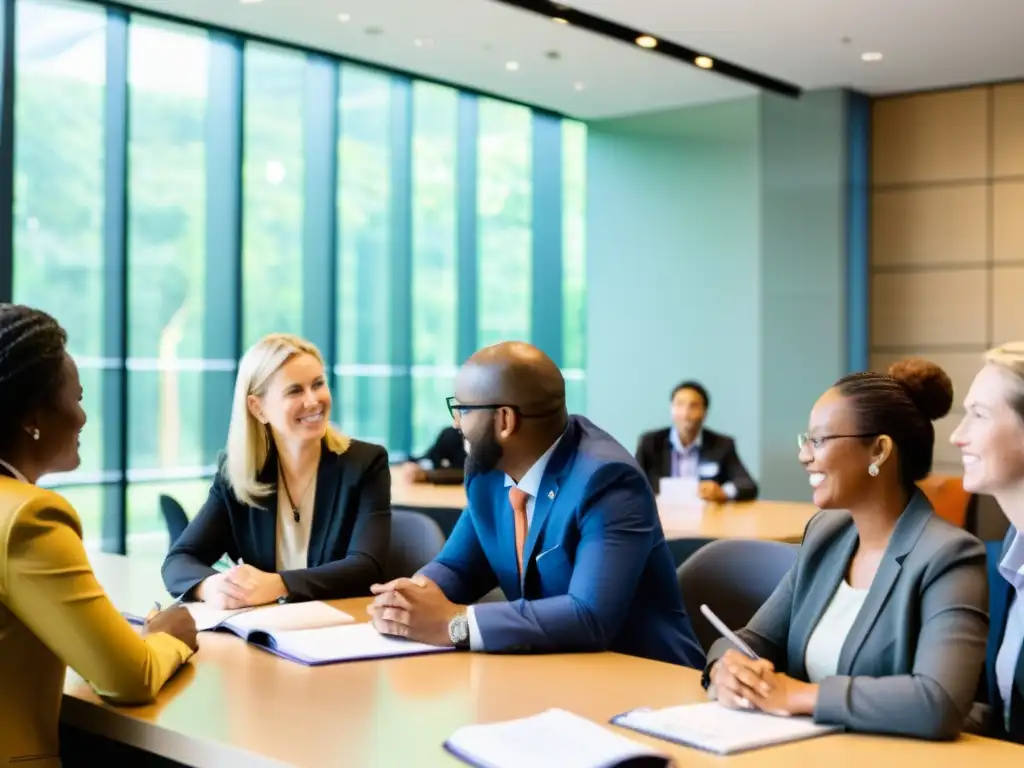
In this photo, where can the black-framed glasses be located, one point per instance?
(455, 407)
(819, 440)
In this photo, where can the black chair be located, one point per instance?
(174, 516)
(415, 540)
(733, 577)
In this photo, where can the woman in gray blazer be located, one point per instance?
(880, 625)
(991, 438)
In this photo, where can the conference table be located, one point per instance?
(237, 705)
(767, 520)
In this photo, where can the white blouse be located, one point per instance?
(292, 536)
(826, 642)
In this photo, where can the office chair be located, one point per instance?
(415, 540)
(174, 516)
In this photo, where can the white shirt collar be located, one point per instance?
(1012, 565)
(530, 482)
(10, 468)
(677, 442)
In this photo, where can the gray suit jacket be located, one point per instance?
(914, 656)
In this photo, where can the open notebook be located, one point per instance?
(551, 739)
(718, 729)
(333, 645)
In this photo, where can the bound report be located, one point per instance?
(551, 739)
(718, 729)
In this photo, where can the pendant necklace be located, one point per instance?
(288, 493)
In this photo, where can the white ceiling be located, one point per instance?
(926, 44)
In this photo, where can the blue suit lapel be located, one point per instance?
(560, 463)
(505, 532)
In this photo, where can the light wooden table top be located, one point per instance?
(772, 520)
(236, 705)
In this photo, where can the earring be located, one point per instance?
(873, 470)
(35, 433)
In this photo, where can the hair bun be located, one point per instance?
(928, 386)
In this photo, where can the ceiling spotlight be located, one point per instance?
(646, 41)
(344, 17)
(511, 66)
(423, 42)
(250, 2)
(559, 20)
(871, 56)
(578, 86)
(704, 62)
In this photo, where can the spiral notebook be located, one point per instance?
(551, 739)
(714, 728)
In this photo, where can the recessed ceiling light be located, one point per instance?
(511, 66)
(250, 2)
(559, 20)
(344, 17)
(578, 86)
(704, 62)
(646, 41)
(423, 42)
(871, 56)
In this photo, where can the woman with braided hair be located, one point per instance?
(53, 612)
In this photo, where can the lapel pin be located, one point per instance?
(551, 495)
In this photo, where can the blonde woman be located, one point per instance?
(991, 438)
(303, 511)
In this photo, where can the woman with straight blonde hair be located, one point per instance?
(303, 511)
(991, 440)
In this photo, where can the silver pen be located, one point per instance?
(727, 633)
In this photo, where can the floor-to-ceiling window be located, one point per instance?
(181, 192)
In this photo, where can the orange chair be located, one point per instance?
(947, 495)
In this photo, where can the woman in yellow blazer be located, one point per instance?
(53, 612)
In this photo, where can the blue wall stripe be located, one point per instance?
(858, 211)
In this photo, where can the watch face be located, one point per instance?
(458, 629)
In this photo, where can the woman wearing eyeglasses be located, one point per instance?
(303, 511)
(880, 625)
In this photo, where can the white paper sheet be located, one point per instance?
(346, 643)
(552, 739)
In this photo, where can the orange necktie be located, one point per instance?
(518, 499)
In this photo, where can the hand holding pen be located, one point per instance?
(175, 620)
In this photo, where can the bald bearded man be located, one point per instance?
(560, 516)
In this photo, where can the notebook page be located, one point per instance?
(719, 729)
(288, 617)
(551, 739)
(346, 643)
(208, 617)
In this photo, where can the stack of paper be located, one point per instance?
(551, 739)
(718, 729)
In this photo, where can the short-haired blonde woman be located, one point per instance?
(991, 438)
(303, 511)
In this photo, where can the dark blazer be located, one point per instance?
(654, 454)
(1001, 600)
(911, 663)
(598, 572)
(448, 456)
(348, 544)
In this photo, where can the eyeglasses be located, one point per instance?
(461, 409)
(819, 440)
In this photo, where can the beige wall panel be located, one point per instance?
(929, 225)
(930, 137)
(1008, 221)
(1008, 130)
(956, 470)
(929, 308)
(961, 367)
(946, 454)
(1008, 304)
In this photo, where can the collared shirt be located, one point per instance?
(530, 485)
(1012, 569)
(686, 460)
(10, 468)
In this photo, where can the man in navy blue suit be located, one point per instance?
(560, 516)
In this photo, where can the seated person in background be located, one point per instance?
(304, 510)
(443, 464)
(880, 625)
(991, 438)
(687, 449)
(53, 612)
(559, 516)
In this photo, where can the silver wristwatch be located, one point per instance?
(458, 631)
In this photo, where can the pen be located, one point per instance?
(727, 633)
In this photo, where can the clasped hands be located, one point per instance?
(744, 683)
(709, 490)
(240, 587)
(413, 608)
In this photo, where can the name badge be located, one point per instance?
(708, 470)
